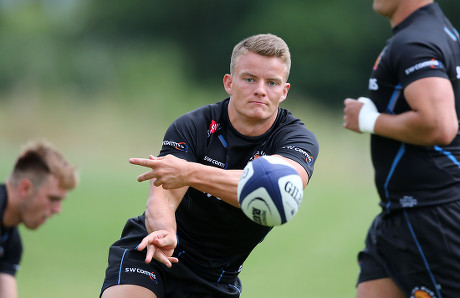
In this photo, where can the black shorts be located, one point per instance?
(127, 266)
(418, 248)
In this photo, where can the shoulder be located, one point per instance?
(204, 113)
(11, 251)
(420, 47)
(292, 129)
(187, 135)
(427, 27)
(287, 121)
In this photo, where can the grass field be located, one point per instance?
(314, 255)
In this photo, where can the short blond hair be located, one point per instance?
(37, 160)
(263, 44)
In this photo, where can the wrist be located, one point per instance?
(367, 115)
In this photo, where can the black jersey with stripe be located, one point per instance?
(424, 45)
(215, 237)
(10, 241)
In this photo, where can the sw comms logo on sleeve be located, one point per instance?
(433, 63)
(181, 146)
(308, 158)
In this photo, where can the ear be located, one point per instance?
(25, 187)
(228, 83)
(285, 91)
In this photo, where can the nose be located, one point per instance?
(260, 89)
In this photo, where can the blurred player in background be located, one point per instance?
(193, 227)
(413, 246)
(33, 192)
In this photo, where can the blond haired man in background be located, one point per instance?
(34, 191)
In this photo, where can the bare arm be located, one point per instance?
(8, 286)
(217, 182)
(171, 172)
(160, 222)
(161, 207)
(432, 120)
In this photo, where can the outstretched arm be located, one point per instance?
(172, 173)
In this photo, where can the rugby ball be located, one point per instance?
(270, 191)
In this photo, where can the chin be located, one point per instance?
(32, 226)
(377, 7)
(260, 113)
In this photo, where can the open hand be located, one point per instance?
(160, 246)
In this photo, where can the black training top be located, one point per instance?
(214, 237)
(10, 241)
(423, 45)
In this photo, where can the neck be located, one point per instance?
(247, 126)
(406, 9)
(11, 215)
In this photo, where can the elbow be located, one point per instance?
(445, 135)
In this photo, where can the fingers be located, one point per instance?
(141, 162)
(351, 113)
(349, 101)
(150, 253)
(146, 176)
(149, 163)
(157, 254)
(162, 240)
(159, 246)
(164, 259)
(146, 241)
(144, 161)
(150, 239)
(173, 260)
(137, 161)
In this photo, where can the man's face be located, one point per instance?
(257, 87)
(42, 203)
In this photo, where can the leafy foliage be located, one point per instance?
(76, 44)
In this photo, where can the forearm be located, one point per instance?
(217, 182)
(176, 175)
(224, 183)
(173, 173)
(432, 119)
(161, 207)
(411, 127)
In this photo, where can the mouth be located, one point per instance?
(258, 102)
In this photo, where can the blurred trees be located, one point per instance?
(81, 44)
(331, 42)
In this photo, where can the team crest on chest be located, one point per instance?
(422, 292)
(257, 154)
(213, 127)
(377, 62)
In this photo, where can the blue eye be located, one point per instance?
(274, 83)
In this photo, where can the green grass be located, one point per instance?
(314, 255)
